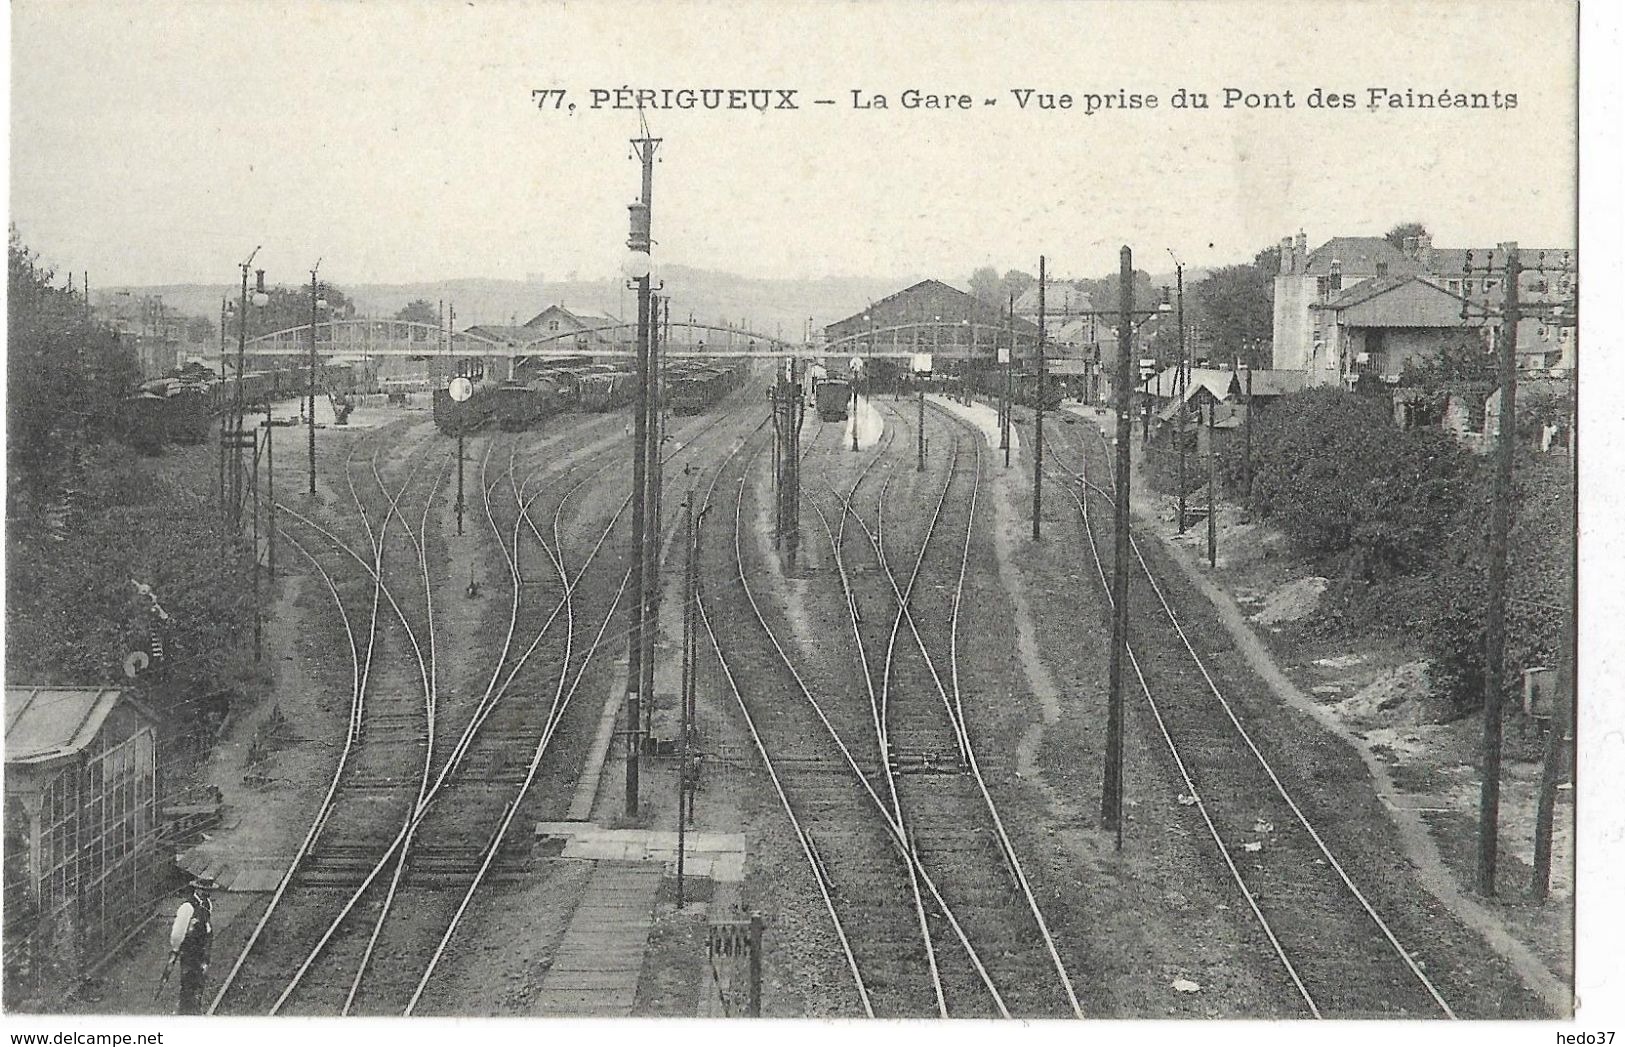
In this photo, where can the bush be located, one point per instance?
(1361, 497)
(73, 612)
(1447, 612)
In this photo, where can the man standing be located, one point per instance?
(189, 944)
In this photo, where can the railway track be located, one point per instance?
(440, 848)
(387, 753)
(822, 747)
(940, 792)
(1334, 951)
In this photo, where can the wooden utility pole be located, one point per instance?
(220, 404)
(1009, 361)
(310, 388)
(687, 686)
(1179, 391)
(1489, 803)
(270, 496)
(237, 403)
(753, 1006)
(1247, 437)
(639, 242)
(1212, 525)
(919, 456)
(1038, 427)
(1111, 793)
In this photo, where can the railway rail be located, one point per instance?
(1328, 940)
(473, 854)
(878, 891)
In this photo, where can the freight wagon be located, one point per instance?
(832, 396)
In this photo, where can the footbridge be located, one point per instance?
(379, 339)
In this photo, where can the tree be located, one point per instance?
(1404, 231)
(1236, 304)
(1016, 283)
(1465, 358)
(1364, 498)
(1268, 261)
(65, 378)
(289, 307)
(423, 311)
(199, 330)
(985, 285)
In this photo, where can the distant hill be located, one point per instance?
(773, 307)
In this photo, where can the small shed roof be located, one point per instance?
(47, 723)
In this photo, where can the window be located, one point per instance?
(1454, 285)
(1491, 285)
(552, 325)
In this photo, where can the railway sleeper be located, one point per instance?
(925, 761)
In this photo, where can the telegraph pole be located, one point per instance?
(638, 244)
(1111, 793)
(270, 497)
(1212, 532)
(919, 435)
(1247, 432)
(651, 515)
(1038, 429)
(1489, 805)
(237, 401)
(220, 404)
(1004, 404)
(687, 688)
(310, 387)
(1179, 389)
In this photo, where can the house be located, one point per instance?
(1211, 395)
(1385, 326)
(562, 328)
(1361, 294)
(576, 329)
(82, 866)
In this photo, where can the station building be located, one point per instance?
(927, 317)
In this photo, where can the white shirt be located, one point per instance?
(183, 922)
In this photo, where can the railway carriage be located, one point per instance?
(472, 414)
(832, 395)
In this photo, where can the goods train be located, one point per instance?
(832, 396)
(554, 387)
(181, 407)
(1023, 388)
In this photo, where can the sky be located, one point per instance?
(157, 142)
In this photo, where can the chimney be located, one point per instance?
(1286, 255)
(1408, 247)
(1424, 252)
(1382, 269)
(1300, 251)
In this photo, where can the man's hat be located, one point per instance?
(203, 883)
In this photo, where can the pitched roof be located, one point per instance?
(1359, 255)
(583, 319)
(1366, 290)
(46, 723)
(1059, 298)
(1217, 382)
